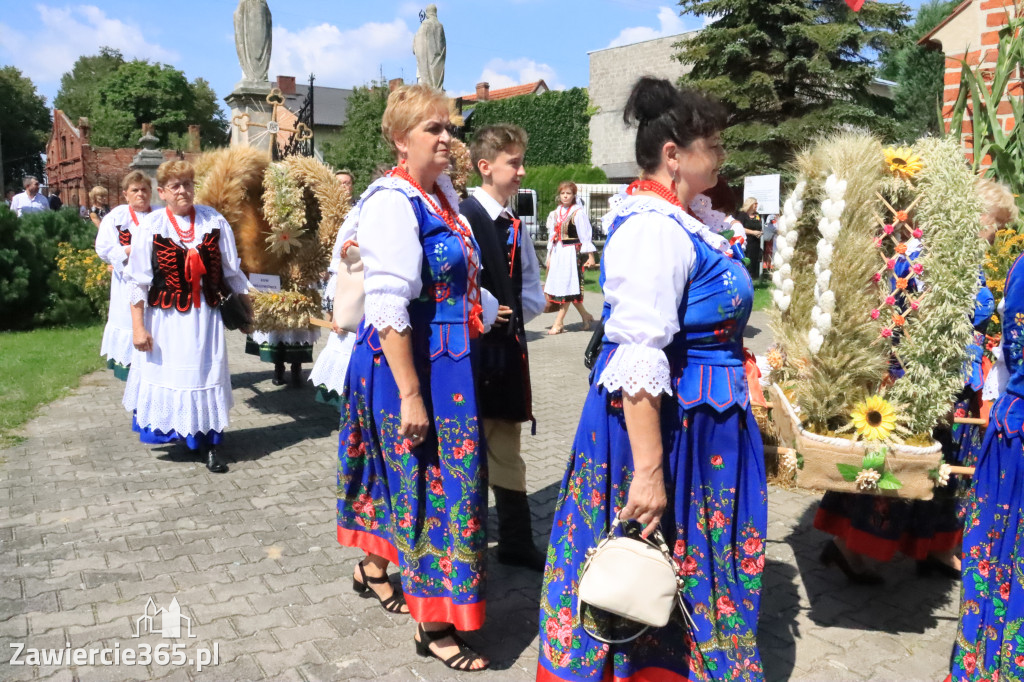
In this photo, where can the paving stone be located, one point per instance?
(94, 523)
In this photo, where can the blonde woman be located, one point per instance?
(98, 204)
(411, 477)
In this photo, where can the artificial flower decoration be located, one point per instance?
(867, 479)
(874, 314)
(902, 283)
(775, 357)
(901, 249)
(886, 333)
(890, 300)
(902, 216)
(914, 305)
(898, 320)
(874, 418)
(918, 268)
(917, 233)
(903, 162)
(284, 239)
(891, 264)
(877, 277)
(887, 228)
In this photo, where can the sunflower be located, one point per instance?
(874, 419)
(903, 162)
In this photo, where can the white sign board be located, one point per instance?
(265, 283)
(764, 188)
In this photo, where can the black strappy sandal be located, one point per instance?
(392, 604)
(461, 661)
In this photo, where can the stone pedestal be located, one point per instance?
(149, 157)
(251, 98)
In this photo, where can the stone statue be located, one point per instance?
(253, 41)
(430, 49)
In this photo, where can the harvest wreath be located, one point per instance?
(872, 313)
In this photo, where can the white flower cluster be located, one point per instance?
(824, 299)
(786, 236)
(944, 472)
(867, 479)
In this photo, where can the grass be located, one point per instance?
(40, 366)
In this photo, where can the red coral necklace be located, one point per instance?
(655, 187)
(189, 234)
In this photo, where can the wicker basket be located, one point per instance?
(913, 466)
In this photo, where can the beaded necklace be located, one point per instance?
(189, 234)
(655, 187)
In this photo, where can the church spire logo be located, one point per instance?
(168, 623)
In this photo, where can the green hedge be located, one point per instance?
(31, 290)
(558, 124)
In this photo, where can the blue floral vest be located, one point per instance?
(440, 316)
(706, 355)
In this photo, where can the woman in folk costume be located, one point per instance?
(667, 435)
(182, 266)
(114, 245)
(328, 373)
(570, 250)
(412, 485)
(988, 643)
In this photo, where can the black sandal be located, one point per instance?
(461, 661)
(392, 604)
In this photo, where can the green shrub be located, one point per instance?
(544, 181)
(32, 292)
(558, 123)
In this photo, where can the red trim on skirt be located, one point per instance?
(882, 549)
(421, 609)
(645, 675)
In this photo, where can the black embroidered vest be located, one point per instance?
(170, 289)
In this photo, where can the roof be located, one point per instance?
(677, 36)
(514, 91)
(330, 104)
(930, 35)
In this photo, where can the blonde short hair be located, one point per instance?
(98, 194)
(134, 178)
(174, 170)
(996, 201)
(407, 106)
(748, 203)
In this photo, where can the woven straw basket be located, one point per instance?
(913, 466)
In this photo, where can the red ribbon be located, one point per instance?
(194, 271)
(753, 373)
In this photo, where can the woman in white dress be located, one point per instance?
(182, 266)
(570, 251)
(113, 245)
(328, 373)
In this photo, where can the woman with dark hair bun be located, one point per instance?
(691, 460)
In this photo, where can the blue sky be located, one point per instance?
(344, 42)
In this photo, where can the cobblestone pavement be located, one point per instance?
(93, 524)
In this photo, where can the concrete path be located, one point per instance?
(93, 524)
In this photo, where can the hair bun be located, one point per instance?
(650, 98)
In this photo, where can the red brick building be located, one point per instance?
(971, 33)
(74, 166)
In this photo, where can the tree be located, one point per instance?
(918, 73)
(79, 87)
(24, 127)
(118, 96)
(789, 70)
(360, 146)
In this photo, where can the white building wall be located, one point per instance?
(613, 72)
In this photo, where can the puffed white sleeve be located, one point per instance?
(108, 246)
(533, 291)
(139, 271)
(389, 244)
(551, 231)
(585, 231)
(231, 263)
(646, 266)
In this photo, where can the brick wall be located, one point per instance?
(613, 72)
(988, 17)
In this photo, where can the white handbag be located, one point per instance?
(348, 291)
(634, 579)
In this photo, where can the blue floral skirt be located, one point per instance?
(716, 521)
(422, 507)
(990, 639)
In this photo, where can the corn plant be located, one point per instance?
(982, 91)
